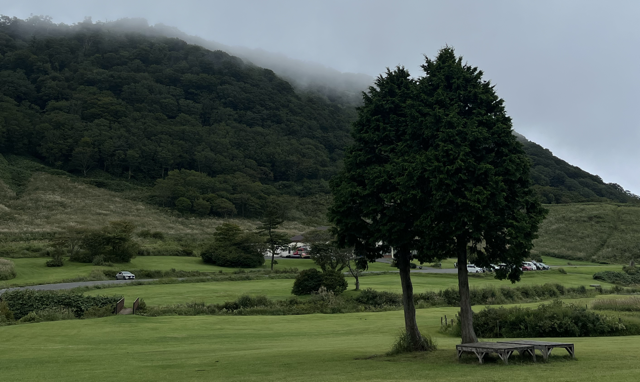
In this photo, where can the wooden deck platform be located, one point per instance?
(503, 350)
(544, 347)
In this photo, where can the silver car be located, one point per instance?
(124, 275)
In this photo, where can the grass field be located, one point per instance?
(340, 347)
(222, 291)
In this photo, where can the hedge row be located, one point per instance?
(22, 302)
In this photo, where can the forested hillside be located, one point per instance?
(197, 130)
(83, 98)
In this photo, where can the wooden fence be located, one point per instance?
(136, 304)
(119, 306)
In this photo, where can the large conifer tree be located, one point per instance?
(435, 171)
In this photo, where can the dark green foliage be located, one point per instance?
(234, 248)
(183, 204)
(307, 282)
(99, 312)
(379, 299)
(272, 218)
(113, 242)
(557, 182)
(334, 281)
(406, 344)
(478, 296)
(7, 270)
(56, 258)
(555, 319)
(328, 256)
(23, 302)
(311, 280)
(137, 106)
(631, 270)
(618, 278)
(5, 313)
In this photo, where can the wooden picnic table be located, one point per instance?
(503, 350)
(545, 347)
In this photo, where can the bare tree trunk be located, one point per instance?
(410, 323)
(466, 315)
(357, 281)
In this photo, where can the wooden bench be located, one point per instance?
(503, 350)
(545, 347)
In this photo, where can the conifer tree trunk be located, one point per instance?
(466, 315)
(410, 323)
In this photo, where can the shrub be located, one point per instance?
(561, 270)
(48, 314)
(307, 282)
(183, 204)
(22, 302)
(234, 248)
(555, 319)
(413, 265)
(404, 344)
(378, 299)
(145, 234)
(5, 313)
(334, 281)
(7, 270)
(98, 312)
(619, 278)
(56, 258)
(157, 235)
(98, 260)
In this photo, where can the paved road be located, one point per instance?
(63, 286)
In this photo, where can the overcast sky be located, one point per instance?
(568, 70)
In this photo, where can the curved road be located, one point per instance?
(63, 286)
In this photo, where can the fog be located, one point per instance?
(566, 69)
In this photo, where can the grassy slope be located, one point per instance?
(271, 348)
(48, 203)
(591, 231)
(221, 291)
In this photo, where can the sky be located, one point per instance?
(567, 69)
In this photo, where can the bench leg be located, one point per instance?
(504, 356)
(459, 353)
(480, 355)
(571, 351)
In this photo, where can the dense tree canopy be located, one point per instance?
(86, 97)
(436, 171)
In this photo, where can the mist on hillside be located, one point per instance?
(343, 88)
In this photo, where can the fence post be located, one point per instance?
(136, 304)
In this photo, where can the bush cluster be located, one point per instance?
(22, 302)
(478, 296)
(555, 319)
(234, 248)
(147, 234)
(311, 280)
(7, 270)
(618, 278)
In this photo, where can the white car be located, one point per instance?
(530, 265)
(124, 275)
(473, 269)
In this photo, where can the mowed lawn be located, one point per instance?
(34, 271)
(222, 291)
(339, 347)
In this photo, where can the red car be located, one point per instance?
(527, 268)
(302, 253)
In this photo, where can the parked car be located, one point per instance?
(527, 267)
(124, 275)
(543, 266)
(473, 269)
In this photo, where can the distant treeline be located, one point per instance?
(105, 103)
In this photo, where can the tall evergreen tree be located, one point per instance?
(436, 171)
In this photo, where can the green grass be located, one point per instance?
(591, 232)
(221, 291)
(340, 347)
